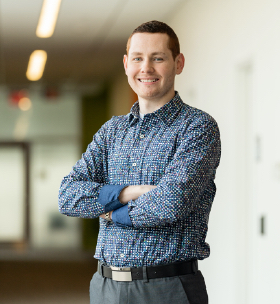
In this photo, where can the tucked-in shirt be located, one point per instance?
(177, 149)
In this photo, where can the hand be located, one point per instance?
(103, 215)
(133, 192)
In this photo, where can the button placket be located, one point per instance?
(143, 128)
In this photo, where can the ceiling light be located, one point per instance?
(48, 18)
(36, 65)
(24, 104)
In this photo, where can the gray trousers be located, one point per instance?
(186, 289)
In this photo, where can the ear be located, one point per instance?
(125, 62)
(180, 62)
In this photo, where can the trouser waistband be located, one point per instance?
(127, 274)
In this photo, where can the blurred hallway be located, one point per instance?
(232, 71)
(45, 282)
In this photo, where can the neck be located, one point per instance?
(151, 105)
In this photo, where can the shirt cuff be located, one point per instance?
(121, 218)
(109, 197)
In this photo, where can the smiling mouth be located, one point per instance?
(148, 80)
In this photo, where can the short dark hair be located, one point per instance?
(158, 27)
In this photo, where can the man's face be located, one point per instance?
(150, 67)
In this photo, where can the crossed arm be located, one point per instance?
(131, 193)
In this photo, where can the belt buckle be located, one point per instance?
(99, 268)
(121, 274)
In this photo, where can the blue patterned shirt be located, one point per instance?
(176, 148)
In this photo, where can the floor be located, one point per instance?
(45, 281)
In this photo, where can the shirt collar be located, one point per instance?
(166, 113)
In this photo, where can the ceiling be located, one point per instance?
(88, 42)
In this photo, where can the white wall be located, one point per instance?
(232, 71)
(53, 129)
(12, 187)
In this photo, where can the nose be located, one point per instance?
(147, 67)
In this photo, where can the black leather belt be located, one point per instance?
(127, 274)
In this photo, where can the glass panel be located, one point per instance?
(49, 229)
(11, 194)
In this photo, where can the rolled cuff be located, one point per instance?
(109, 197)
(121, 218)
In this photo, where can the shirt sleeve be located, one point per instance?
(188, 180)
(121, 218)
(83, 192)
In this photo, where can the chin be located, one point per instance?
(148, 95)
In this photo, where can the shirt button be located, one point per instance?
(122, 255)
(134, 164)
(142, 136)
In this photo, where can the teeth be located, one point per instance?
(148, 80)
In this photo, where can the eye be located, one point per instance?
(158, 59)
(136, 59)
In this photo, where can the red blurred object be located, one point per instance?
(16, 95)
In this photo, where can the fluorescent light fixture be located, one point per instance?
(36, 65)
(48, 18)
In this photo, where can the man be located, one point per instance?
(149, 176)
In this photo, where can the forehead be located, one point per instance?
(149, 43)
